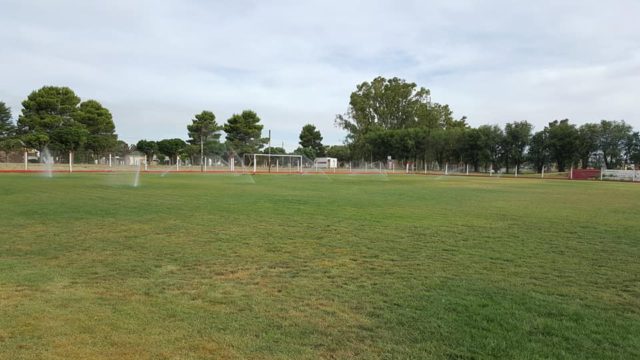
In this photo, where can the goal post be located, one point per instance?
(277, 163)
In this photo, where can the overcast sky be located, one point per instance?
(155, 64)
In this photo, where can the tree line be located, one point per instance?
(55, 118)
(385, 117)
(392, 117)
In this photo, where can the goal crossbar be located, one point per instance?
(298, 158)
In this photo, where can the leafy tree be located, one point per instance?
(613, 135)
(562, 142)
(148, 148)
(311, 138)
(438, 116)
(171, 148)
(214, 147)
(383, 104)
(588, 143)
(123, 149)
(10, 144)
(191, 152)
(69, 137)
(633, 149)
(274, 150)
(44, 111)
(309, 153)
(244, 133)
(7, 128)
(516, 139)
(203, 128)
(99, 122)
(340, 152)
(538, 153)
(473, 149)
(492, 140)
(439, 145)
(455, 136)
(398, 143)
(7, 131)
(391, 104)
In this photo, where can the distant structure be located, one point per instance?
(325, 163)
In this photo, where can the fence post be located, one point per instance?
(26, 160)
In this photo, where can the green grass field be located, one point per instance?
(306, 267)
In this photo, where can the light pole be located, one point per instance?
(201, 153)
(269, 150)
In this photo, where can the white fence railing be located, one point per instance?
(621, 175)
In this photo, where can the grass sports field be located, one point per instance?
(290, 266)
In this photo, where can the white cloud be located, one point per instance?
(156, 64)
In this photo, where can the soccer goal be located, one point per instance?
(276, 163)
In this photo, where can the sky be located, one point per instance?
(155, 64)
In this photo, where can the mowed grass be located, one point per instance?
(306, 267)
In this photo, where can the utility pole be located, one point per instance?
(269, 161)
(201, 153)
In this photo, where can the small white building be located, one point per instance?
(325, 163)
(134, 159)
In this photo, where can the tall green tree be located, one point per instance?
(516, 139)
(562, 142)
(391, 104)
(45, 111)
(340, 152)
(588, 143)
(98, 120)
(492, 140)
(538, 153)
(148, 148)
(69, 137)
(244, 133)
(123, 149)
(383, 104)
(613, 135)
(473, 150)
(203, 128)
(310, 138)
(306, 152)
(7, 128)
(8, 142)
(633, 149)
(274, 150)
(171, 148)
(438, 116)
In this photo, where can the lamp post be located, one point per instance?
(269, 161)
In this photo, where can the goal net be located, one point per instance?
(276, 163)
